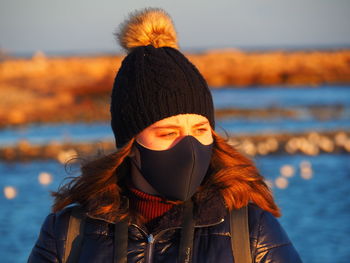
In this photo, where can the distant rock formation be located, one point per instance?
(42, 88)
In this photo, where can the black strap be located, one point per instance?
(240, 235)
(75, 234)
(121, 241)
(187, 233)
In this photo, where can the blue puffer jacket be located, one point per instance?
(212, 240)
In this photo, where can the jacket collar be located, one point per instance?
(209, 209)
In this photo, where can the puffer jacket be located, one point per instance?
(212, 238)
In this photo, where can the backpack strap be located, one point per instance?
(75, 234)
(240, 235)
(121, 241)
(187, 234)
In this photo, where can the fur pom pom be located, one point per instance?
(149, 26)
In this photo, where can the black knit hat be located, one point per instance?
(154, 82)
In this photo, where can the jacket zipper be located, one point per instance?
(151, 239)
(149, 249)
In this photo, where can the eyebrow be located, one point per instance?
(173, 126)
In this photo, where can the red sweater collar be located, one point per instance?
(147, 205)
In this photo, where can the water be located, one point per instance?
(281, 97)
(21, 217)
(41, 134)
(316, 212)
(299, 99)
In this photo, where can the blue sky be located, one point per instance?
(86, 26)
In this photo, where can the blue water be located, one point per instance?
(253, 126)
(41, 134)
(316, 212)
(281, 97)
(21, 217)
(241, 98)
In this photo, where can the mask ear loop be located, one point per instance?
(132, 159)
(135, 164)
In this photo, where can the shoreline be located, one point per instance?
(96, 109)
(308, 143)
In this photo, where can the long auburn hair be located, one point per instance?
(102, 182)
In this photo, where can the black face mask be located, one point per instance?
(176, 173)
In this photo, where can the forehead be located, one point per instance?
(181, 119)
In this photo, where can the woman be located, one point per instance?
(167, 193)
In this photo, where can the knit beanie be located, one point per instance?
(155, 80)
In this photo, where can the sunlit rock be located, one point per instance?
(272, 144)
(52, 149)
(326, 144)
(262, 148)
(314, 137)
(291, 146)
(340, 138)
(248, 147)
(9, 153)
(347, 145)
(16, 116)
(23, 146)
(64, 156)
(308, 147)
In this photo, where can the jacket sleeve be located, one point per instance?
(273, 244)
(45, 248)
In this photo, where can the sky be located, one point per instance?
(86, 26)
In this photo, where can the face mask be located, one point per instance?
(176, 173)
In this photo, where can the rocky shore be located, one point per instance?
(55, 89)
(311, 143)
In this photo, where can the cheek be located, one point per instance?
(206, 139)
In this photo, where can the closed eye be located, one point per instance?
(200, 131)
(168, 135)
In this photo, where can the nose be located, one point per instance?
(180, 138)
